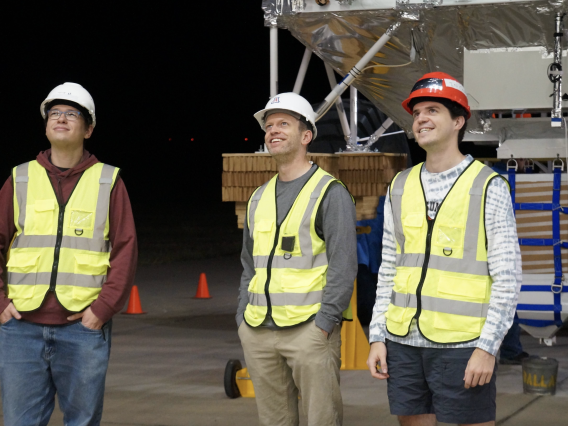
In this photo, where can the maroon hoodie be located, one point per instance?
(122, 234)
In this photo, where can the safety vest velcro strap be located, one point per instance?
(63, 278)
(447, 264)
(283, 299)
(79, 243)
(436, 304)
(295, 262)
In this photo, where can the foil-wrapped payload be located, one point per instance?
(432, 37)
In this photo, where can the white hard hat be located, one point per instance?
(289, 102)
(71, 92)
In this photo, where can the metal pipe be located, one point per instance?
(355, 71)
(353, 113)
(273, 61)
(379, 132)
(555, 73)
(302, 71)
(382, 136)
(338, 103)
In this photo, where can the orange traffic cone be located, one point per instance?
(134, 305)
(202, 289)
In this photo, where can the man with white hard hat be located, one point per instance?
(68, 256)
(451, 271)
(300, 260)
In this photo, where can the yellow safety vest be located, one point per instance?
(442, 278)
(290, 260)
(60, 248)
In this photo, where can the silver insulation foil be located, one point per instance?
(432, 37)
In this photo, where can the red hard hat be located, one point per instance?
(438, 85)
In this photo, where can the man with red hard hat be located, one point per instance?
(451, 271)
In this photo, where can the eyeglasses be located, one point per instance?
(54, 114)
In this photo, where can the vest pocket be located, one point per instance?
(22, 275)
(401, 281)
(252, 307)
(261, 235)
(458, 288)
(301, 293)
(412, 226)
(90, 270)
(473, 293)
(43, 217)
(81, 219)
(91, 264)
(450, 236)
(396, 313)
(459, 323)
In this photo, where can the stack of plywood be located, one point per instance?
(366, 175)
(537, 188)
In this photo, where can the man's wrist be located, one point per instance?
(324, 323)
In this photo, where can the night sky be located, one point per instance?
(174, 87)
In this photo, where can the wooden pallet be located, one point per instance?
(366, 175)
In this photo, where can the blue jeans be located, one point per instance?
(511, 346)
(38, 361)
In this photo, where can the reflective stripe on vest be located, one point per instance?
(295, 277)
(307, 260)
(468, 264)
(78, 231)
(453, 281)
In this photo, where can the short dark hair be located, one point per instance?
(86, 116)
(305, 125)
(455, 109)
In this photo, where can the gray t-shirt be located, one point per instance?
(335, 224)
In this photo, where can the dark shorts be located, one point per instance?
(430, 381)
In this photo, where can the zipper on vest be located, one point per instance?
(57, 248)
(60, 221)
(424, 267)
(269, 272)
(429, 246)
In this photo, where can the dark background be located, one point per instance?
(174, 87)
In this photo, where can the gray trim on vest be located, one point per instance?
(283, 299)
(70, 242)
(444, 306)
(22, 192)
(443, 263)
(307, 260)
(396, 202)
(97, 243)
(253, 205)
(305, 224)
(469, 263)
(473, 216)
(63, 278)
(103, 201)
(296, 262)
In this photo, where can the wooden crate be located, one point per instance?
(366, 175)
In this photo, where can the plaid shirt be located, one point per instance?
(503, 255)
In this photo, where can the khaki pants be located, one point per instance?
(283, 363)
